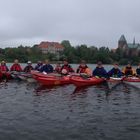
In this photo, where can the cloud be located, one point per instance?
(92, 22)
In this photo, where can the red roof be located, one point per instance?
(52, 44)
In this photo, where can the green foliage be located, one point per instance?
(75, 54)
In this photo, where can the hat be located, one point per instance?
(29, 62)
(3, 61)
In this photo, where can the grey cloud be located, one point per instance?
(93, 22)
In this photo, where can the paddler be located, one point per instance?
(4, 71)
(138, 70)
(47, 67)
(99, 71)
(16, 66)
(66, 68)
(128, 70)
(58, 68)
(84, 69)
(115, 71)
(29, 67)
(38, 65)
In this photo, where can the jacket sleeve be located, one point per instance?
(110, 73)
(94, 72)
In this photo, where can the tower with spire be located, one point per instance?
(122, 43)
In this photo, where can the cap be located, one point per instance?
(29, 62)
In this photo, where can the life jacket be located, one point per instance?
(16, 67)
(58, 69)
(3, 68)
(28, 69)
(82, 69)
(67, 67)
(128, 71)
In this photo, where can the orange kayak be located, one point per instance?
(52, 81)
(80, 81)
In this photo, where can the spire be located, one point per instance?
(122, 38)
(134, 41)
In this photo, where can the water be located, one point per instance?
(32, 112)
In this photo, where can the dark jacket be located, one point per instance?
(101, 72)
(115, 73)
(47, 68)
(28, 69)
(138, 71)
(38, 67)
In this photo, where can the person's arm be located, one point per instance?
(11, 69)
(110, 73)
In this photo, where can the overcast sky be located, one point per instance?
(91, 22)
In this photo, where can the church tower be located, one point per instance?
(122, 43)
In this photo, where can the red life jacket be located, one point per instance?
(68, 68)
(3, 68)
(16, 67)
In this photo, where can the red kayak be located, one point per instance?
(134, 81)
(52, 81)
(37, 74)
(80, 81)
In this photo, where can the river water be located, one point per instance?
(29, 111)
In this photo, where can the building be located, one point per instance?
(51, 47)
(132, 49)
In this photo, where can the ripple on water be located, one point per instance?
(30, 111)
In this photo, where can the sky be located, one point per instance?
(91, 22)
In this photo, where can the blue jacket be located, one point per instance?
(47, 68)
(115, 73)
(101, 72)
(138, 71)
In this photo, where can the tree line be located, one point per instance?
(74, 54)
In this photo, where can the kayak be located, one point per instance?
(37, 74)
(79, 81)
(113, 81)
(134, 81)
(54, 80)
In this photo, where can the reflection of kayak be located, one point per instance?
(134, 81)
(113, 81)
(80, 81)
(5, 76)
(54, 80)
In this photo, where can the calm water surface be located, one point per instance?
(32, 112)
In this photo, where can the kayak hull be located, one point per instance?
(80, 82)
(133, 81)
(54, 81)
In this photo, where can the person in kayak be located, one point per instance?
(138, 70)
(99, 71)
(128, 70)
(16, 66)
(38, 65)
(58, 68)
(84, 69)
(46, 68)
(115, 71)
(66, 68)
(4, 75)
(29, 67)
